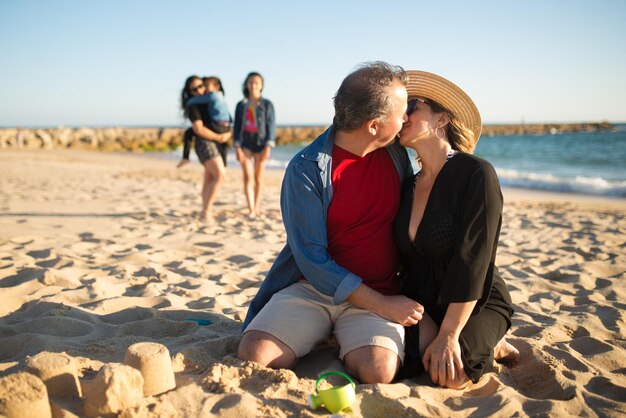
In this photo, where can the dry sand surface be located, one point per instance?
(102, 251)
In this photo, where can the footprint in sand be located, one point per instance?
(527, 331)
(40, 253)
(202, 303)
(603, 387)
(240, 259)
(23, 275)
(536, 375)
(209, 244)
(570, 362)
(589, 346)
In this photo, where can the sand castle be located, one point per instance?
(153, 361)
(23, 395)
(58, 372)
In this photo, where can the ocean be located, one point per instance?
(590, 163)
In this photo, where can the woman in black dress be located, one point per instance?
(447, 230)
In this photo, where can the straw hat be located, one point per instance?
(450, 96)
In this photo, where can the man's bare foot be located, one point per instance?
(505, 353)
(182, 163)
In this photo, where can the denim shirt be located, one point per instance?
(304, 199)
(216, 105)
(265, 122)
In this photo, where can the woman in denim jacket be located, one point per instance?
(255, 135)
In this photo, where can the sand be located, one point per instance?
(101, 251)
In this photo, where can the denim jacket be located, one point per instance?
(304, 199)
(265, 122)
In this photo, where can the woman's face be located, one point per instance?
(196, 87)
(421, 122)
(254, 85)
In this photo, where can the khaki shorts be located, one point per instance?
(301, 317)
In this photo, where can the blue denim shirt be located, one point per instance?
(216, 105)
(304, 199)
(265, 122)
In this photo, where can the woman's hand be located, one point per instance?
(223, 138)
(241, 156)
(442, 360)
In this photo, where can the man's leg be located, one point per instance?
(372, 347)
(372, 364)
(263, 348)
(288, 327)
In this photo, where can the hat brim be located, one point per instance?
(447, 94)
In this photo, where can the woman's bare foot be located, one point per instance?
(505, 353)
(182, 163)
(206, 217)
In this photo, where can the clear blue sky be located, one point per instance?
(123, 62)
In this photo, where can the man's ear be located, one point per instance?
(373, 126)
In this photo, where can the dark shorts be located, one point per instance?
(252, 142)
(206, 150)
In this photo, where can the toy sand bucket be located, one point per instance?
(334, 399)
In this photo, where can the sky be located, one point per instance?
(124, 62)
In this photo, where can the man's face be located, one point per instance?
(390, 128)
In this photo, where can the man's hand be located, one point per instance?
(398, 308)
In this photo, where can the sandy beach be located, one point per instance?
(100, 251)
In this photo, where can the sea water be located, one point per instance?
(583, 162)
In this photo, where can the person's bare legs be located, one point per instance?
(214, 176)
(372, 364)
(248, 187)
(260, 159)
(266, 350)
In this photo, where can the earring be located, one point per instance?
(443, 136)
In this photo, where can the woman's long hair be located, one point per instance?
(185, 94)
(459, 136)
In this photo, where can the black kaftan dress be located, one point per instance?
(452, 259)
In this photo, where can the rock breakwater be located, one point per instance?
(162, 139)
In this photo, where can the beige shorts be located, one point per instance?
(301, 317)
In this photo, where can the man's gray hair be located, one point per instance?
(364, 94)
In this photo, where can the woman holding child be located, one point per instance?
(207, 143)
(447, 231)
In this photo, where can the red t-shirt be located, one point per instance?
(366, 196)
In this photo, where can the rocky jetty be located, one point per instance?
(163, 139)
